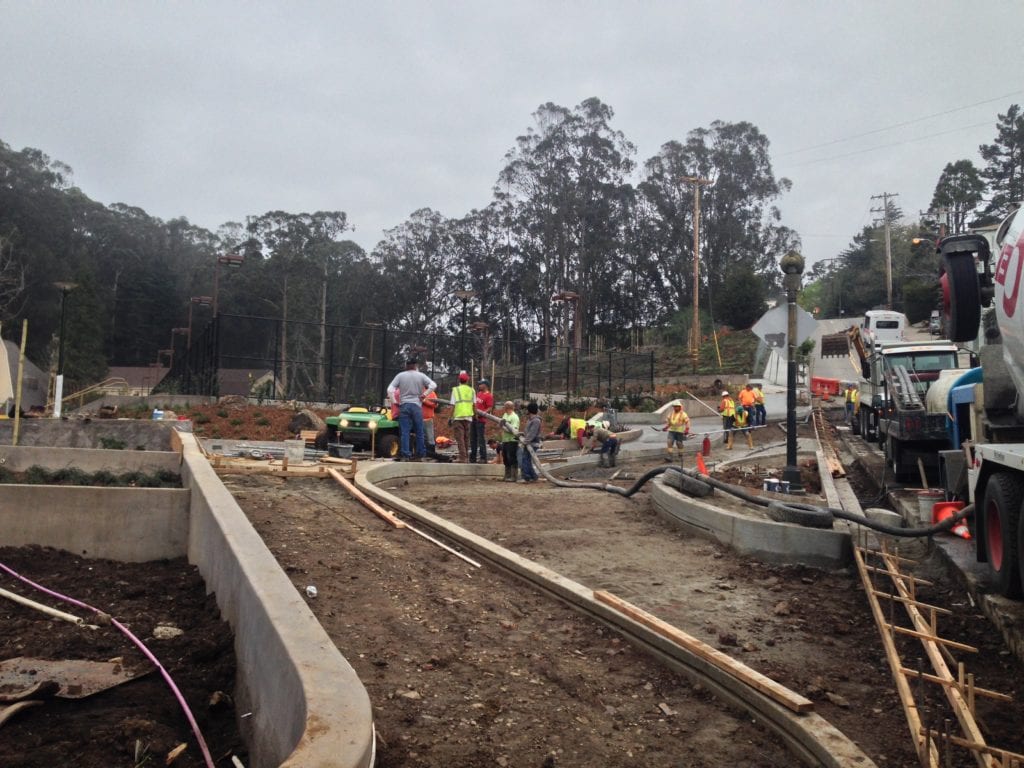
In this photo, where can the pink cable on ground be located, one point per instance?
(139, 644)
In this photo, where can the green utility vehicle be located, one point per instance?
(365, 429)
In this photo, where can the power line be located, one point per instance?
(894, 144)
(900, 125)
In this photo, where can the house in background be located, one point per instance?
(34, 383)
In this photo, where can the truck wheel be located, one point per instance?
(962, 300)
(855, 424)
(387, 446)
(1003, 496)
(892, 457)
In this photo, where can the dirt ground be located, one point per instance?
(138, 722)
(465, 667)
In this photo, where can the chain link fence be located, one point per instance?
(270, 359)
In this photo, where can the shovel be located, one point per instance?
(27, 682)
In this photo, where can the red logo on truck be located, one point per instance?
(1010, 253)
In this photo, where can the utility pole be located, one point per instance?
(884, 197)
(695, 328)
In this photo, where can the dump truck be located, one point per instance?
(895, 409)
(986, 464)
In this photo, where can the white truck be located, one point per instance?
(986, 463)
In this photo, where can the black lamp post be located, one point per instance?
(58, 394)
(230, 260)
(464, 296)
(202, 301)
(792, 266)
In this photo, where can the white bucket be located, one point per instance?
(925, 501)
(295, 451)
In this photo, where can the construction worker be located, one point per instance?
(510, 442)
(478, 436)
(411, 384)
(600, 434)
(727, 407)
(852, 395)
(429, 406)
(741, 421)
(748, 400)
(462, 415)
(572, 429)
(677, 424)
(760, 415)
(531, 438)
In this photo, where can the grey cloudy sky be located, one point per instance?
(219, 110)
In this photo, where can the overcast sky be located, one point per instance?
(216, 110)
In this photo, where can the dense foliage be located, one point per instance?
(573, 214)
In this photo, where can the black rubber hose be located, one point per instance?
(815, 516)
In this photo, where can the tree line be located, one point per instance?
(573, 214)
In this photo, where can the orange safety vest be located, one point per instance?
(727, 407)
(429, 404)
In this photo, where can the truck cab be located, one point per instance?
(882, 325)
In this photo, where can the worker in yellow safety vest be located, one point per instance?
(572, 429)
(463, 398)
(852, 401)
(727, 407)
(760, 415)
(741, 421)
(677, 424)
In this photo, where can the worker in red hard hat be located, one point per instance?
(462, 415)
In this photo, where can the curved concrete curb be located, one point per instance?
(308, 706)
(811, 737)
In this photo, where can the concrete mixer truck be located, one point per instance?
(986, 408)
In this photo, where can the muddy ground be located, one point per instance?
(465, 667)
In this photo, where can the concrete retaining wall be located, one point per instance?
(19, 458)
(128, 524)
(134, 434)
(308, 708)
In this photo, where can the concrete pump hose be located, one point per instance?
(814, 516)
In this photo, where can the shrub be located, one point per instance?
(221, 413)
(112, 444)
(235, 422)
(263, 421)
(201, 418)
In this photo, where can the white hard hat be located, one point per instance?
(606, 424)
(725, 393)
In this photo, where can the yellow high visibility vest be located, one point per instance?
(727, 406)
(677, 420)
(464, 398)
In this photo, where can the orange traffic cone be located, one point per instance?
(700, 464)
(946, 509)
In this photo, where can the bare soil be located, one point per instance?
(466, 667)
(138, 722)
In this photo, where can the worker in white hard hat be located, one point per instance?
(727, 407)
(677, 424)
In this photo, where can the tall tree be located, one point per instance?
(957, 194)
(1004, 171)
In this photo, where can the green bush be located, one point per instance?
(263, 421)
(235, 422)
(112, 444)
(221, 413)
(202, 418)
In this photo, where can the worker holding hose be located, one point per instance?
(677, 424)
(727, 407)
(531, 439)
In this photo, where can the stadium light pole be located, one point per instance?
(58, 392)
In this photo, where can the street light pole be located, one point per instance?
(58, 392)
(695, 327)
(203, 301)
(792, 266)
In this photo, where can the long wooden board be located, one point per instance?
(777, 692)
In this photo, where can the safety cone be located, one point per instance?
(946, 509)
(700, 464)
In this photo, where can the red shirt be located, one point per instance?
(484, 402)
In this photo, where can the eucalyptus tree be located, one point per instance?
(957, 195)
(1004, 158)
(567, 181)
(740, 224)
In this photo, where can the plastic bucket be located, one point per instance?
(926, 500)
(339, 450)
(295, 450)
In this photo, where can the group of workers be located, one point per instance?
(416, 396)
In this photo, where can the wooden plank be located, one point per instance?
(942, 681)
(932, 637)
(369, 503)
(775, 691)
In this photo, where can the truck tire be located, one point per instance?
(387, 446)
(1001, 519)
(962, 302)
(893, 457)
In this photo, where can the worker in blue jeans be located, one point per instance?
(412, 387)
